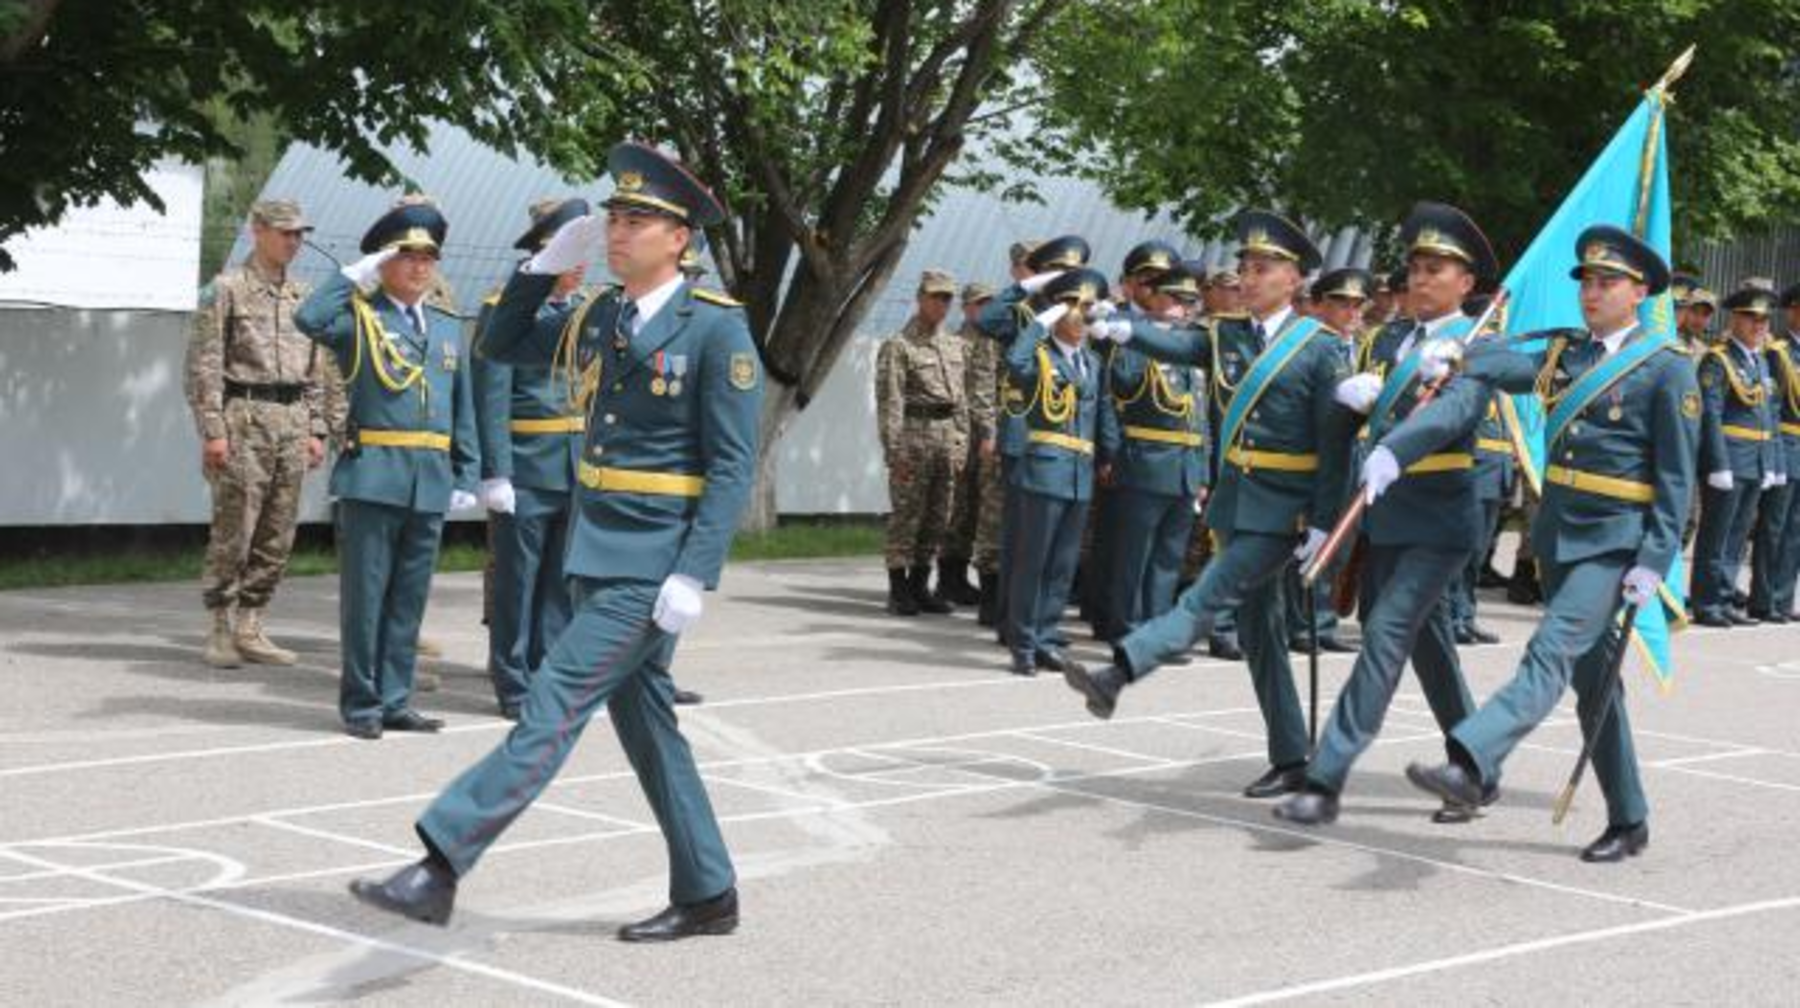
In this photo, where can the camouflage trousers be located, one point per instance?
(255, 503)
(965, 521)
(922, 491)
(990, 488)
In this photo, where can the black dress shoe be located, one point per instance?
(1617, 844)
(1778, 618)
(1479, 634)
(687, 698)
(1277, 781)
(1023, 665)
(1490, 578)
(1101, 687)
(421, 891)
(1741, 618)
(1448, 781)
(367, 730)
(407, 719)
(1050, 661)
(1311, 807)
(716, 916)
(1335, 645)
(1224, 648)
(509, 711)
(1300, 643)
(1711, 618)
(1455, 814)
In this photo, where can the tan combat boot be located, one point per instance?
(221, 652)
(254, 646)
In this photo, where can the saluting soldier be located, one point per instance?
(1054, 476)
(1775, 562)
(410, 454)
(1739, 452)
(920, 413)
(1034, 265)
(669, 464)
(530, 444)
(259, 392)
(1423, 531)
(1339, 299)
(1285, 442)
(964, 545)
(1153, 443)
(1621, 438)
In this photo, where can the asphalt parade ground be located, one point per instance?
(911, 824)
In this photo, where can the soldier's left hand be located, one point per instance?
(1437, 357)
(1309, 548)
(462, 500)
(1641, 584)
(678, 604)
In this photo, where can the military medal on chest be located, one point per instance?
(678, 368)
(659, 385)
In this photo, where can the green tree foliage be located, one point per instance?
(1346, 111)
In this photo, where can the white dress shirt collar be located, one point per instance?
(653, 302)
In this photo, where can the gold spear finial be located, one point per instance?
(1676, 69)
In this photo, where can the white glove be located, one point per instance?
(1052, 315)
(1117, 332)
(1772, 480)
(1437, 357)
(462, 500)
(1380, 470)
(569, 247)
(497, 495)
(678, 605)
(1359, 392)
(1033, 284)
(1308, 548)
(1640, 585)
(363, 271)
(1100, 311)
(1720, 480)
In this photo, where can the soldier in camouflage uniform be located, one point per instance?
(981, 361)
(256, 386)
(922, 415)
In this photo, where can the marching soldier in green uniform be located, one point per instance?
(1054, 475)
(1775, 561)
(410, 455)
(964, 545)
(258, 389)
(1739, 452)
(1285, 442)
(530, 445)
(921, 416)
(669, 464)
(1339, 299)
(1153, 443)
(1621, 438)
(1003, 318)
(1422, 534)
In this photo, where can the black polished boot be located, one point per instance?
(1617, 844)
(900, 597)
(1101, 687)
(424, 891)
(953, 582)
(918, 579)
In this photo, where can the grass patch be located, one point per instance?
(799, 540)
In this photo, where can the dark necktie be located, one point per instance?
(1262, 337)
(416, 315)
(622, 332)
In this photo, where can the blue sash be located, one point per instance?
(1401, 378)
(1267, 365)
(1597, 380)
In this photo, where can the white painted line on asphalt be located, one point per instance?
(1681, 761)
(31, 876)
(862, 748)
(453, 961)
(775, 792)
(1144, 758)
(1499, 952)
(274, 822)
(572, 811)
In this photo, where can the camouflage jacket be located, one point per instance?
(919, 369)
(244, 332)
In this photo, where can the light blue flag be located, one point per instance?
(1627, 186)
